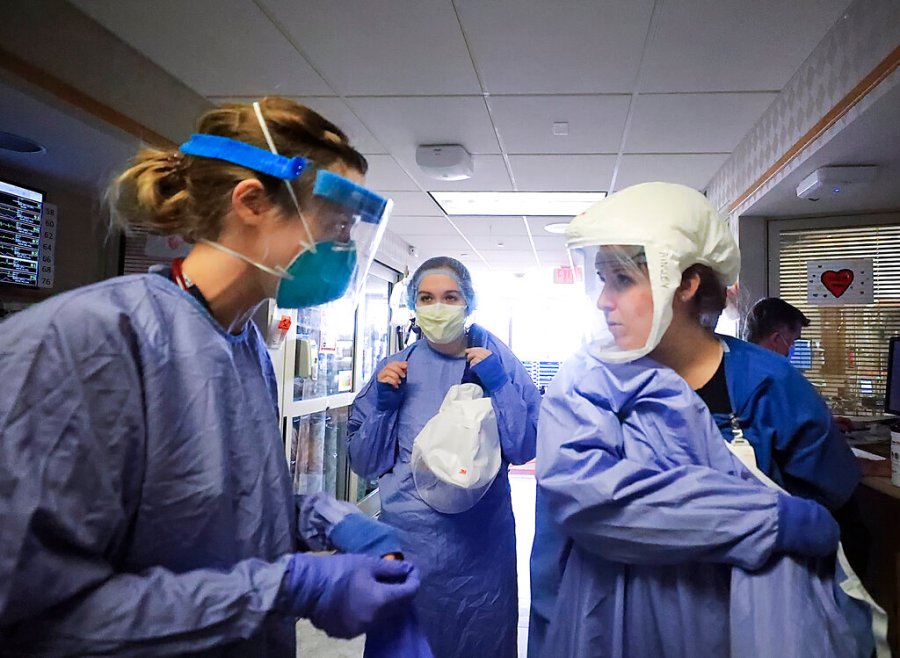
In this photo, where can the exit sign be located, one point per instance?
(566, 275)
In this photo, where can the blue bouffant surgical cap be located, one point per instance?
(443, 265)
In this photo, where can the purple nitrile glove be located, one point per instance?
(346, 595)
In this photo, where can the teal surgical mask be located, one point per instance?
(441, 323)
(317, 277)
(312, 277)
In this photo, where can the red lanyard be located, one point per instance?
(178, 274)
(185, 283)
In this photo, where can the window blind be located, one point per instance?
(849, 343)
(134, 260)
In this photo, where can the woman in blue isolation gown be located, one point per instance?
(468, 602)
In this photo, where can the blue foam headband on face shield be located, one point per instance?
(346, 193)
(245, 155)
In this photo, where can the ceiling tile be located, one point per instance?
(734, 45)
(518, 242)
(488, 226)
(691, 169)
(554, 258)
(217, 47)
(490, 176)
(562, 173)
(414, 204)
(385, 175)
(402, 123)
(546, 242)
(494, 242)
(438, 245)
(336, 111)
(525, 123)
(410, 226)
(524, 258)
(693, 123)
(568, 46)
(397, 47)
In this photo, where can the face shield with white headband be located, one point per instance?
(344, 222)
(633, 248)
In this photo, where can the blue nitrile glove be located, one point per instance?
(805, 528)
(389, 398)
(358, 533)
(491, 373)
(346, 595)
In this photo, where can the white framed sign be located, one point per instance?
(166, 247)
(839, 282)
(47, 263)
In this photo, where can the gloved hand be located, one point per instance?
(491, 373)
(345, 595)
(805, 528)
(357, 533)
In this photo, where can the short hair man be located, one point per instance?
(774, 324)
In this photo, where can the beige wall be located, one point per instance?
(57, 38)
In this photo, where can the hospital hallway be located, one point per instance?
(312, 642)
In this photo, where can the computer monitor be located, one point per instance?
(801, 354)
(892, 394)
(20, 234)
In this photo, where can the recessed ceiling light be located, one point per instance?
(557, 228)
(18, 144)
(511, 204)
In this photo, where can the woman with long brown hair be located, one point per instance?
(145, 502)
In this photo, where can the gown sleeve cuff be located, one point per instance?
(491, 373)
(357, 533)
(388, 397)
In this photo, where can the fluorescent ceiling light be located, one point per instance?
(506, 204)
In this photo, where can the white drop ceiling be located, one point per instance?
(651, 90)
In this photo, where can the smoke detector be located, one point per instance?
(834, 181)
(445, 161)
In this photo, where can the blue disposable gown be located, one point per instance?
(467, 605)
(780, 413)
(643, 517)
(145, 503)
(792, 431)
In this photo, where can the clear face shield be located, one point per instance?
(624, 308)
(343, 222)
(346, 223)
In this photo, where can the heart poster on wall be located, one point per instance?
(839, 282)
(166, 247)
